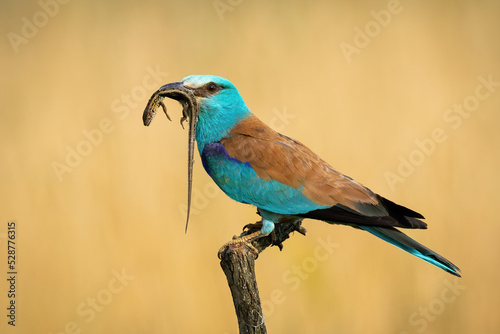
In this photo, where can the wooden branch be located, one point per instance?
(238, 264)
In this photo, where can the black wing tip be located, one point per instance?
(403, 210)
(416, 223)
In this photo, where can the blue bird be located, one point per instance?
(253, 164)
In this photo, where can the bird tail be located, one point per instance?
(401, 240)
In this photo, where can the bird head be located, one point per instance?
(221, 107)
(212, 104)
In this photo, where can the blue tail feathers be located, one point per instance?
(401, 240)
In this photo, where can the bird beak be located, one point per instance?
(190, 109)
(176, 91)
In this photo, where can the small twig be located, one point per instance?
(238, 264)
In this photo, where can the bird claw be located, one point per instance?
(247, 239)
(253, 226)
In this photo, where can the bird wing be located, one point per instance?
(275, 157)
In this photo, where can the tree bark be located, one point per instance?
(238, 264)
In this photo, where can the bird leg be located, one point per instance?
(257, 226)
(245, 240)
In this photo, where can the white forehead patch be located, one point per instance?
(195, 81)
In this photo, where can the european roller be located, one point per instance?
(253, 164)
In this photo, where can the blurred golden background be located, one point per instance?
(402, 96)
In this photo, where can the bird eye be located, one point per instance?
(212, 87)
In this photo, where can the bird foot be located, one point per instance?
(253, 226)
(245, 240)
(258, 226)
